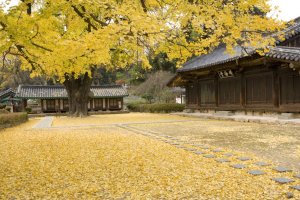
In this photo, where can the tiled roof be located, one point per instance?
(58, 91)
(221, 56)
(109, 91)
(291, 31)
(6, 93)
(285, 53)
(218, 56)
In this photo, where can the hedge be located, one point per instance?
(156, 108)
(12, 119)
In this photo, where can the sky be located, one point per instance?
(290, 9)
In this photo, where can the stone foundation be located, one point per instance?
(283, 116)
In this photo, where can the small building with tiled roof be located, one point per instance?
(245, 80)
(7, 93)
(54, 98)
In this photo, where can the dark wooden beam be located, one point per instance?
(252, 62)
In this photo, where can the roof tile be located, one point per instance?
(221, 56)
(58, 91)
(6, 93)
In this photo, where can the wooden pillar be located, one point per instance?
(199, 94)
(93, 104)
(61, 103)
(216, 90)
(57, 107)
(24, 104)
(107, 104)
(276, 88)
(44, 105)
(104, 104)
(122, 103)
(243, 90)
(187, 94)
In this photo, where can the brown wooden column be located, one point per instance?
(198, 93)
(93, 104)
(187, 94)
(107, 104)
(42, 105)
(216, 90)
(104, 104)
(276, 88)
(122, 103)
(243, 90)
(197, 86)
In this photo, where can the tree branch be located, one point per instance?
(97, 20)
(143, 2)
(86, 20)
(31, 62)
(40, 46)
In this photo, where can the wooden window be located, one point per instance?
(207, 93)
(229, 91)
(259, 89)
(50, 104)
(289, 88)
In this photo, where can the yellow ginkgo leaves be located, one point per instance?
(109, 162)
(58, 37)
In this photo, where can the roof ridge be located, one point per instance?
(239, 53)
(112, 85)
(286, 53)
(6, 91)
(287, 49)
(62, 86)
(295, 20)
(58, 91)
(21, 85)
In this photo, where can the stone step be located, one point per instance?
(282, 180)
(287, 116)
(224, 113)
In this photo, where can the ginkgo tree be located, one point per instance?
(67, 40)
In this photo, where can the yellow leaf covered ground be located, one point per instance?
(116, 118)
(111, 162)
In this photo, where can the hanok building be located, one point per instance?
(245, 82)
(6, 94)
(7, 99)
(54, 98)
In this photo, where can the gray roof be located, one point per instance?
(290, 31)
(220, 55)
(285, 53)
(59, 92)
(6, 93)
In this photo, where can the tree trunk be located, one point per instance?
(79, 94)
